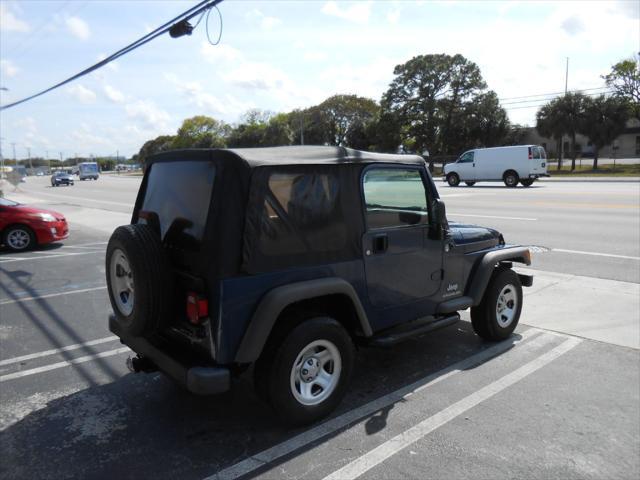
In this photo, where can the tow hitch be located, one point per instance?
(139, 364)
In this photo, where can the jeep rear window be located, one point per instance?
(180, 194)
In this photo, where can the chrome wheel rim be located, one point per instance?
(18, 239)
(506, 306)
(122, 285)
(316, 372)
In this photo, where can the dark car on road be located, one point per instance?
(61, 178)
(23, 227)
(286, 259)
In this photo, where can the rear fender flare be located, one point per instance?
(274, 302)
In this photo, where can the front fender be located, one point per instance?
(482, 274)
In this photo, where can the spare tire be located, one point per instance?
(139, 279)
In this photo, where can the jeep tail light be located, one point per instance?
(197, 308)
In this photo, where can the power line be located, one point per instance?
(554, 93)
(552, 98)
(538, 104)
(180, 19)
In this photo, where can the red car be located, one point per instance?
(23, 227)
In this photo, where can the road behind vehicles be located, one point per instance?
(88, 171)
(61, 178)
(520, 163)
(285, 258)
(23, 227)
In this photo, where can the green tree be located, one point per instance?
(484, 122)
(549, 124)
(278, 131)
(604, 120)
(624, 79)
(261, 129)
(431, 103)
(202, 132)
(157, 145)
(346, 119)
(563, 116)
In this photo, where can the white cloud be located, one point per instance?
(266, 22)
(148, 114)
(315, 56)
(572, 25)
(257, 76)
(270, 22)
(358, 12)
(218, 53)
(196, 95)
(78, 27)
(85, 140)
(393, 16)
(82, 93)
(8, 68)
(9, 22)
(113, 94)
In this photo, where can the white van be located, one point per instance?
(519, 163)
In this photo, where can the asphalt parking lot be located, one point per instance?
(561, 399)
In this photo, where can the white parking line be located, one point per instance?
(316, 433)
(492, 216)
(66, 363)
(42, 257)
(381, 453)
(595, 254)
(82, 199)
(46, 353)
(49, 295)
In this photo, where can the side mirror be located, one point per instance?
(439, 224)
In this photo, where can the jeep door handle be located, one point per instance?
(380, 243)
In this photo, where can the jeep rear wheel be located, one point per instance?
(138, 279)
(499, 312)
(306, 375)
(453, 179)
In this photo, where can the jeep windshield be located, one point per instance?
(177, 197)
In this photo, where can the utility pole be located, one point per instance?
(61, 159)
(13, 144)
(566, 84)
(29, 157)
(1, 161)
(46, 152)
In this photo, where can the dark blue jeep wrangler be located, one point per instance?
(286, 258)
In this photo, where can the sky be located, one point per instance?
(276, 56)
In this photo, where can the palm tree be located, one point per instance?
(603, 121)
(548, 124)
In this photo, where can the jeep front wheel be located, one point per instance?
(497, 315)
(308, 373)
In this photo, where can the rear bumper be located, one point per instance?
(538, 175)
(197, 379)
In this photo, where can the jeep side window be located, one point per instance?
(466, 158)
(395, 197)
(301, 214)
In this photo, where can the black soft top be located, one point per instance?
(294, 155)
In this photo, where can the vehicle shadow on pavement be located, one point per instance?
(45, 318)
(145, 426)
